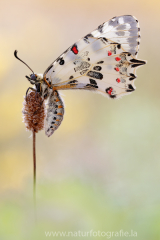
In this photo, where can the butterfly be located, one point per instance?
(103, 61)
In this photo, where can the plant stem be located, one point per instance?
(34, 167)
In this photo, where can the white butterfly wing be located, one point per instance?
(103, 60)
(123, 30)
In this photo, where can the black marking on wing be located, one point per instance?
(61, 61)
(132, 76)
(83, 71)
(130, 88)
(92, 86)
(97, 68)
(108, 90)
(112, 96)
(92, 81)
(88, 35)
(136, 65)
(66, 50)
(100, 62)
(73, 81)
(113, 47)
(137, 62)
(82, 66)
(127, 53)
(49, 68)
(86, 38)
(104, 40)
(96, 75)
(100, 28)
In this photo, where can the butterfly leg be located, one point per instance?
(28, 91)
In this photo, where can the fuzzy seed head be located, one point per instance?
(33, 112)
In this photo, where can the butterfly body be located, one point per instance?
(55, 108)
(104, 61)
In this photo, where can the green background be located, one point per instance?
(100, 169)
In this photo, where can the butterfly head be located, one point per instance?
(35, 78)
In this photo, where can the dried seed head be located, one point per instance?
(33, 112)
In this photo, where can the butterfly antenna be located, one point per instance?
(15, 54)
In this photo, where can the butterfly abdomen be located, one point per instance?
(55, 112)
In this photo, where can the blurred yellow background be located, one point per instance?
(100, 169)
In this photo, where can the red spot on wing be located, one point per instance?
(109, 53)
(117, 69)
(74, 49)
(110, 91)
(118, 59)
(118, 80)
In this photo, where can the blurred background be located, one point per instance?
(100, 169)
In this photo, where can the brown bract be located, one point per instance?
(33, 112)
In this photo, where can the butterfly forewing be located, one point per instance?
(103, 60)
(123, 30)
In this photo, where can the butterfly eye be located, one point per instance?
(33, 76)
